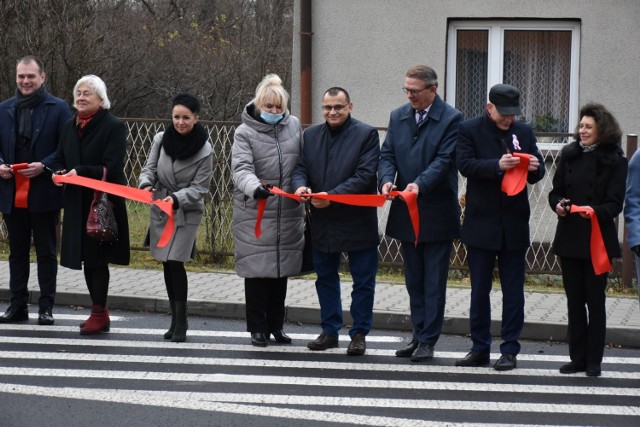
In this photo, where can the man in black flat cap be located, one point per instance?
(496, 225)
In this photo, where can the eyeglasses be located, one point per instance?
(413, 92)
(338, 108)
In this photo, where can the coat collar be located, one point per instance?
(435, 110)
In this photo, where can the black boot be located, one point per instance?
(169, 334)
(181, 326)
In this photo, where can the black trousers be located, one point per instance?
(586, 294)
(97, 279)
(264, 299)
(175, 279)
(21, 225)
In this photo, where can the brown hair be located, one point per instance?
(608, 128)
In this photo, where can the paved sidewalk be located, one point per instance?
(222, 295)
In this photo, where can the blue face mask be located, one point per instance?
(272, 119)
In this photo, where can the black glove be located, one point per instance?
(262, 192)
(636, 250)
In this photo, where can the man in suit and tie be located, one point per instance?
(418, 155)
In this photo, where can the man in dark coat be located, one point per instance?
(30, 126)
(340, 156)
(419, 148)
(496, 225)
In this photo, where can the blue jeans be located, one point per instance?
(363, 266)
(511, 269)
(426, 269)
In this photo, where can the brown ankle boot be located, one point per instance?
(98, 321)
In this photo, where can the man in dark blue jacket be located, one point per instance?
(418, 155)
(30, 127)
(496, 225)
(340, 156)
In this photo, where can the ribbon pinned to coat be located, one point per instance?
(371, 200)
(599, 256)
(515, 179)
(22, 186)
(130, 193)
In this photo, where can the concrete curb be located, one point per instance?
(310, 315)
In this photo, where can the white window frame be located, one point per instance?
(495, 56)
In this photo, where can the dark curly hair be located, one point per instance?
(608, 128)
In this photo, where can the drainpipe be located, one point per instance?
(305, 61)
(628, 257)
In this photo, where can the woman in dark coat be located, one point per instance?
(93, 141)
(592, 172)
(178, 170)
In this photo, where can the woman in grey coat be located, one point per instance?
(178, 170)
(265, 150)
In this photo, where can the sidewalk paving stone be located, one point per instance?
(221, 294)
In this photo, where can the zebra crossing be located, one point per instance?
(218, 373)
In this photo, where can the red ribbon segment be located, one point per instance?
(22, 186)
(130, 193)
(515, 179)
(599, 256)
(371, 200)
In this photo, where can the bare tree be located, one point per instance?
(148, 50)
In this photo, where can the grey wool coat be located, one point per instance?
(266, 153)
(188, 180)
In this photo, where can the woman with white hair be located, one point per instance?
(265, 150)
(93, 143)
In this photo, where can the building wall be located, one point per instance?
(366, 46)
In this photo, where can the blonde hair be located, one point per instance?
(271, 88)
(97, 85)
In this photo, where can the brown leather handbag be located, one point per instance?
(101, 222)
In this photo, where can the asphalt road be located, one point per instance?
(132, 377)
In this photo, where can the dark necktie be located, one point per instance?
(421, 116)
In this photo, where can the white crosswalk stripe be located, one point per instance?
(293, 383)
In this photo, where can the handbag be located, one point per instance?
(307, 255)
(101, 221)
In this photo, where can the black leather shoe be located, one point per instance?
(357, 346)
(408, 350)
(46, 317)
(423, 353)
(506, 362)
(259, 339)
(280, 337)
(593, 371)
(474, 358)
(571, 368)
(323, 342)
(14, 314)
